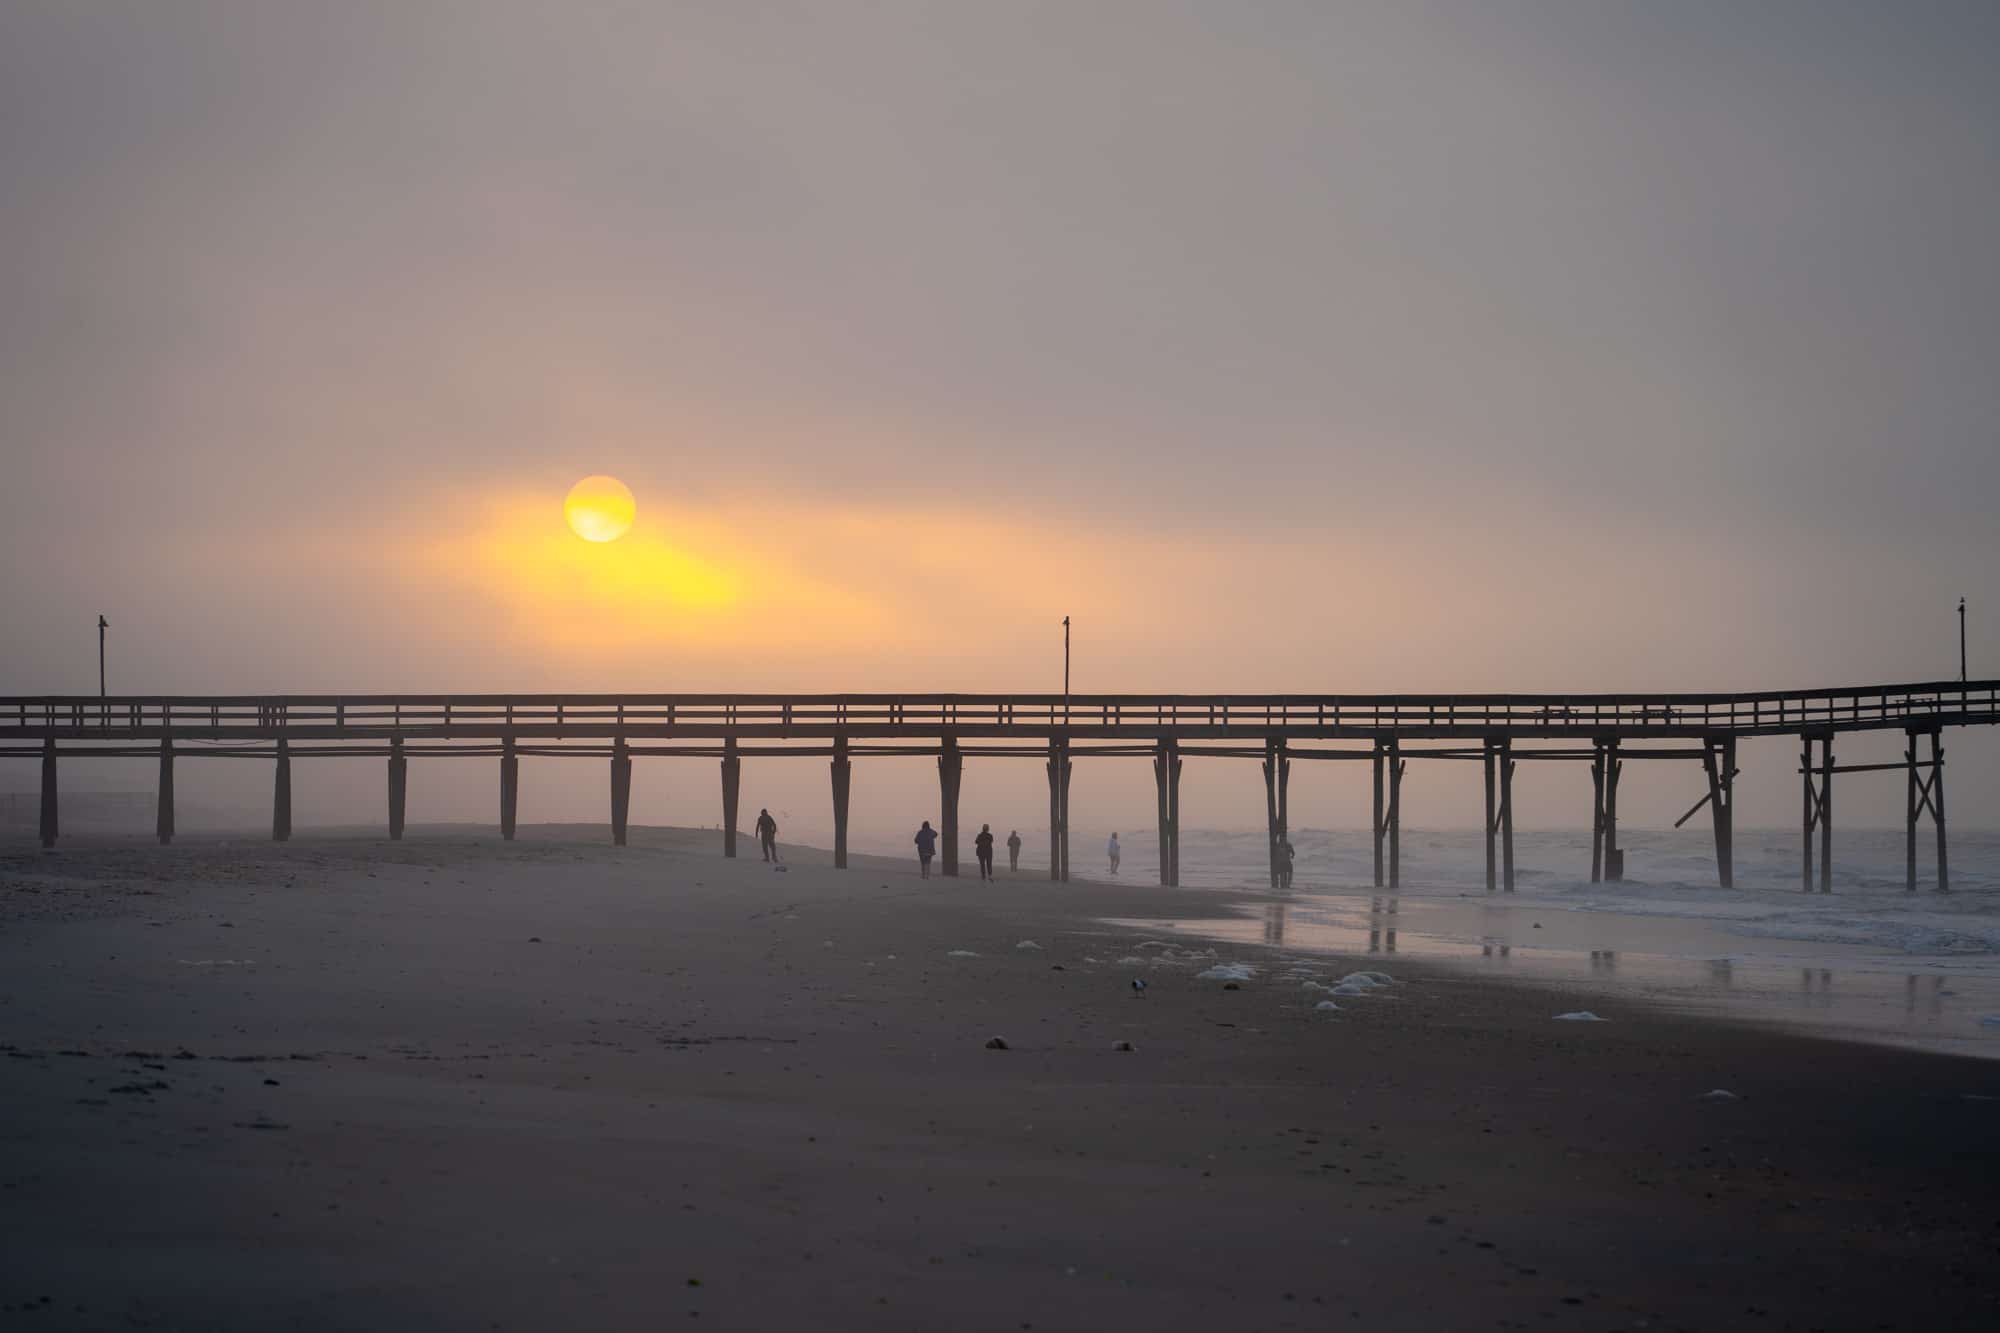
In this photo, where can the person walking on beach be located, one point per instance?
(1014, 851)
(1286, 855)
(767, 834)
(1111, 850)
(983, 846)
(926, 847)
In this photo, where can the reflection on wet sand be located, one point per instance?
(1382, 911)
(1675, 963)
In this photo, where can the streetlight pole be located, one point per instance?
(1066, 669)
(102, 625)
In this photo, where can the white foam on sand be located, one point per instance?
(1580, 1016)
(1326, 1006)
(1227, 972)
(962, 953)
(1027, 944)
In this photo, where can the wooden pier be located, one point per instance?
(1498, 731)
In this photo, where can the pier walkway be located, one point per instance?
(1497, 731)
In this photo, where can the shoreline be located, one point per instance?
(552, 1082)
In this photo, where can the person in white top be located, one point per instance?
(1111, 850)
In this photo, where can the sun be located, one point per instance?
(600, 509)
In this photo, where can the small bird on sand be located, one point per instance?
(1138, 986)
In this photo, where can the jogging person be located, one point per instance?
(983, 845)
(767, 834)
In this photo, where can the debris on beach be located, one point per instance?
(1123, 1046)
(534, 939)
(1718, 1095)
(1138, 986)
(1232, 985)
(1580, 1016)
(996, 1043)
(1027, 944)
(1227, 972)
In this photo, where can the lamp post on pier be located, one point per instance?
(1961, 641)
(1066, 669)
(102, 625)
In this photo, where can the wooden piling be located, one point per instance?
(1059, 765)
(1597, 812)
(163, 815)
(1817, 782)
(1718, 762)
(1277, 779)
(843, 769)
(1489, 763)
(1614, 855)
(399, 785)
(1375, 819)
(621, 790)
(50, 822)
(510, 787)
(732, 774)
(1506, 766)
(1937, 808)
(951, 772)
(1166, 784)
(1397, 764)
(1914, 790)
(281, 794)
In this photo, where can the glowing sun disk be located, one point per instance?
(600, 509)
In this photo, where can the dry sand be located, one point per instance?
(458, 1084)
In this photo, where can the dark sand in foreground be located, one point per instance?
(339, 1084)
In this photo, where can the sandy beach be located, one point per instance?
(453, 1083)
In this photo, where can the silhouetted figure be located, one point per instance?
(926, 847)
(767, 834)
(1111, 850)
(1014, 850)
(983, 847)
(1286, 855)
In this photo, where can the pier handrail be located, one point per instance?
(1909, 706)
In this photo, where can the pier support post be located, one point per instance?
(951, 770)
(1059, 809)
(1500, 810)
(843, 769)
(1277, 779)
(1925, 797)
(1818, 793)
(1607, 862)
(163, 815)
(281, 794)
(1167, 780)
(510, 787)
(1718, 761)
(1375, 820)
(399, 786)
(732, 774)
(50, 822)
(1397, 764)
(1489, 763)
(1937, 808)
(621, 790)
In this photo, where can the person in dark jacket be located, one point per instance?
(767, 834)
(926, 847)
(983, 845)
(1014, 850)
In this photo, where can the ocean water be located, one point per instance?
(1868, 961)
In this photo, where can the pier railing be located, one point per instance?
(605, 716)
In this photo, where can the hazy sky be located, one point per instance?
(1287, 346)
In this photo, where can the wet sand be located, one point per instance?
(452, 1083)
